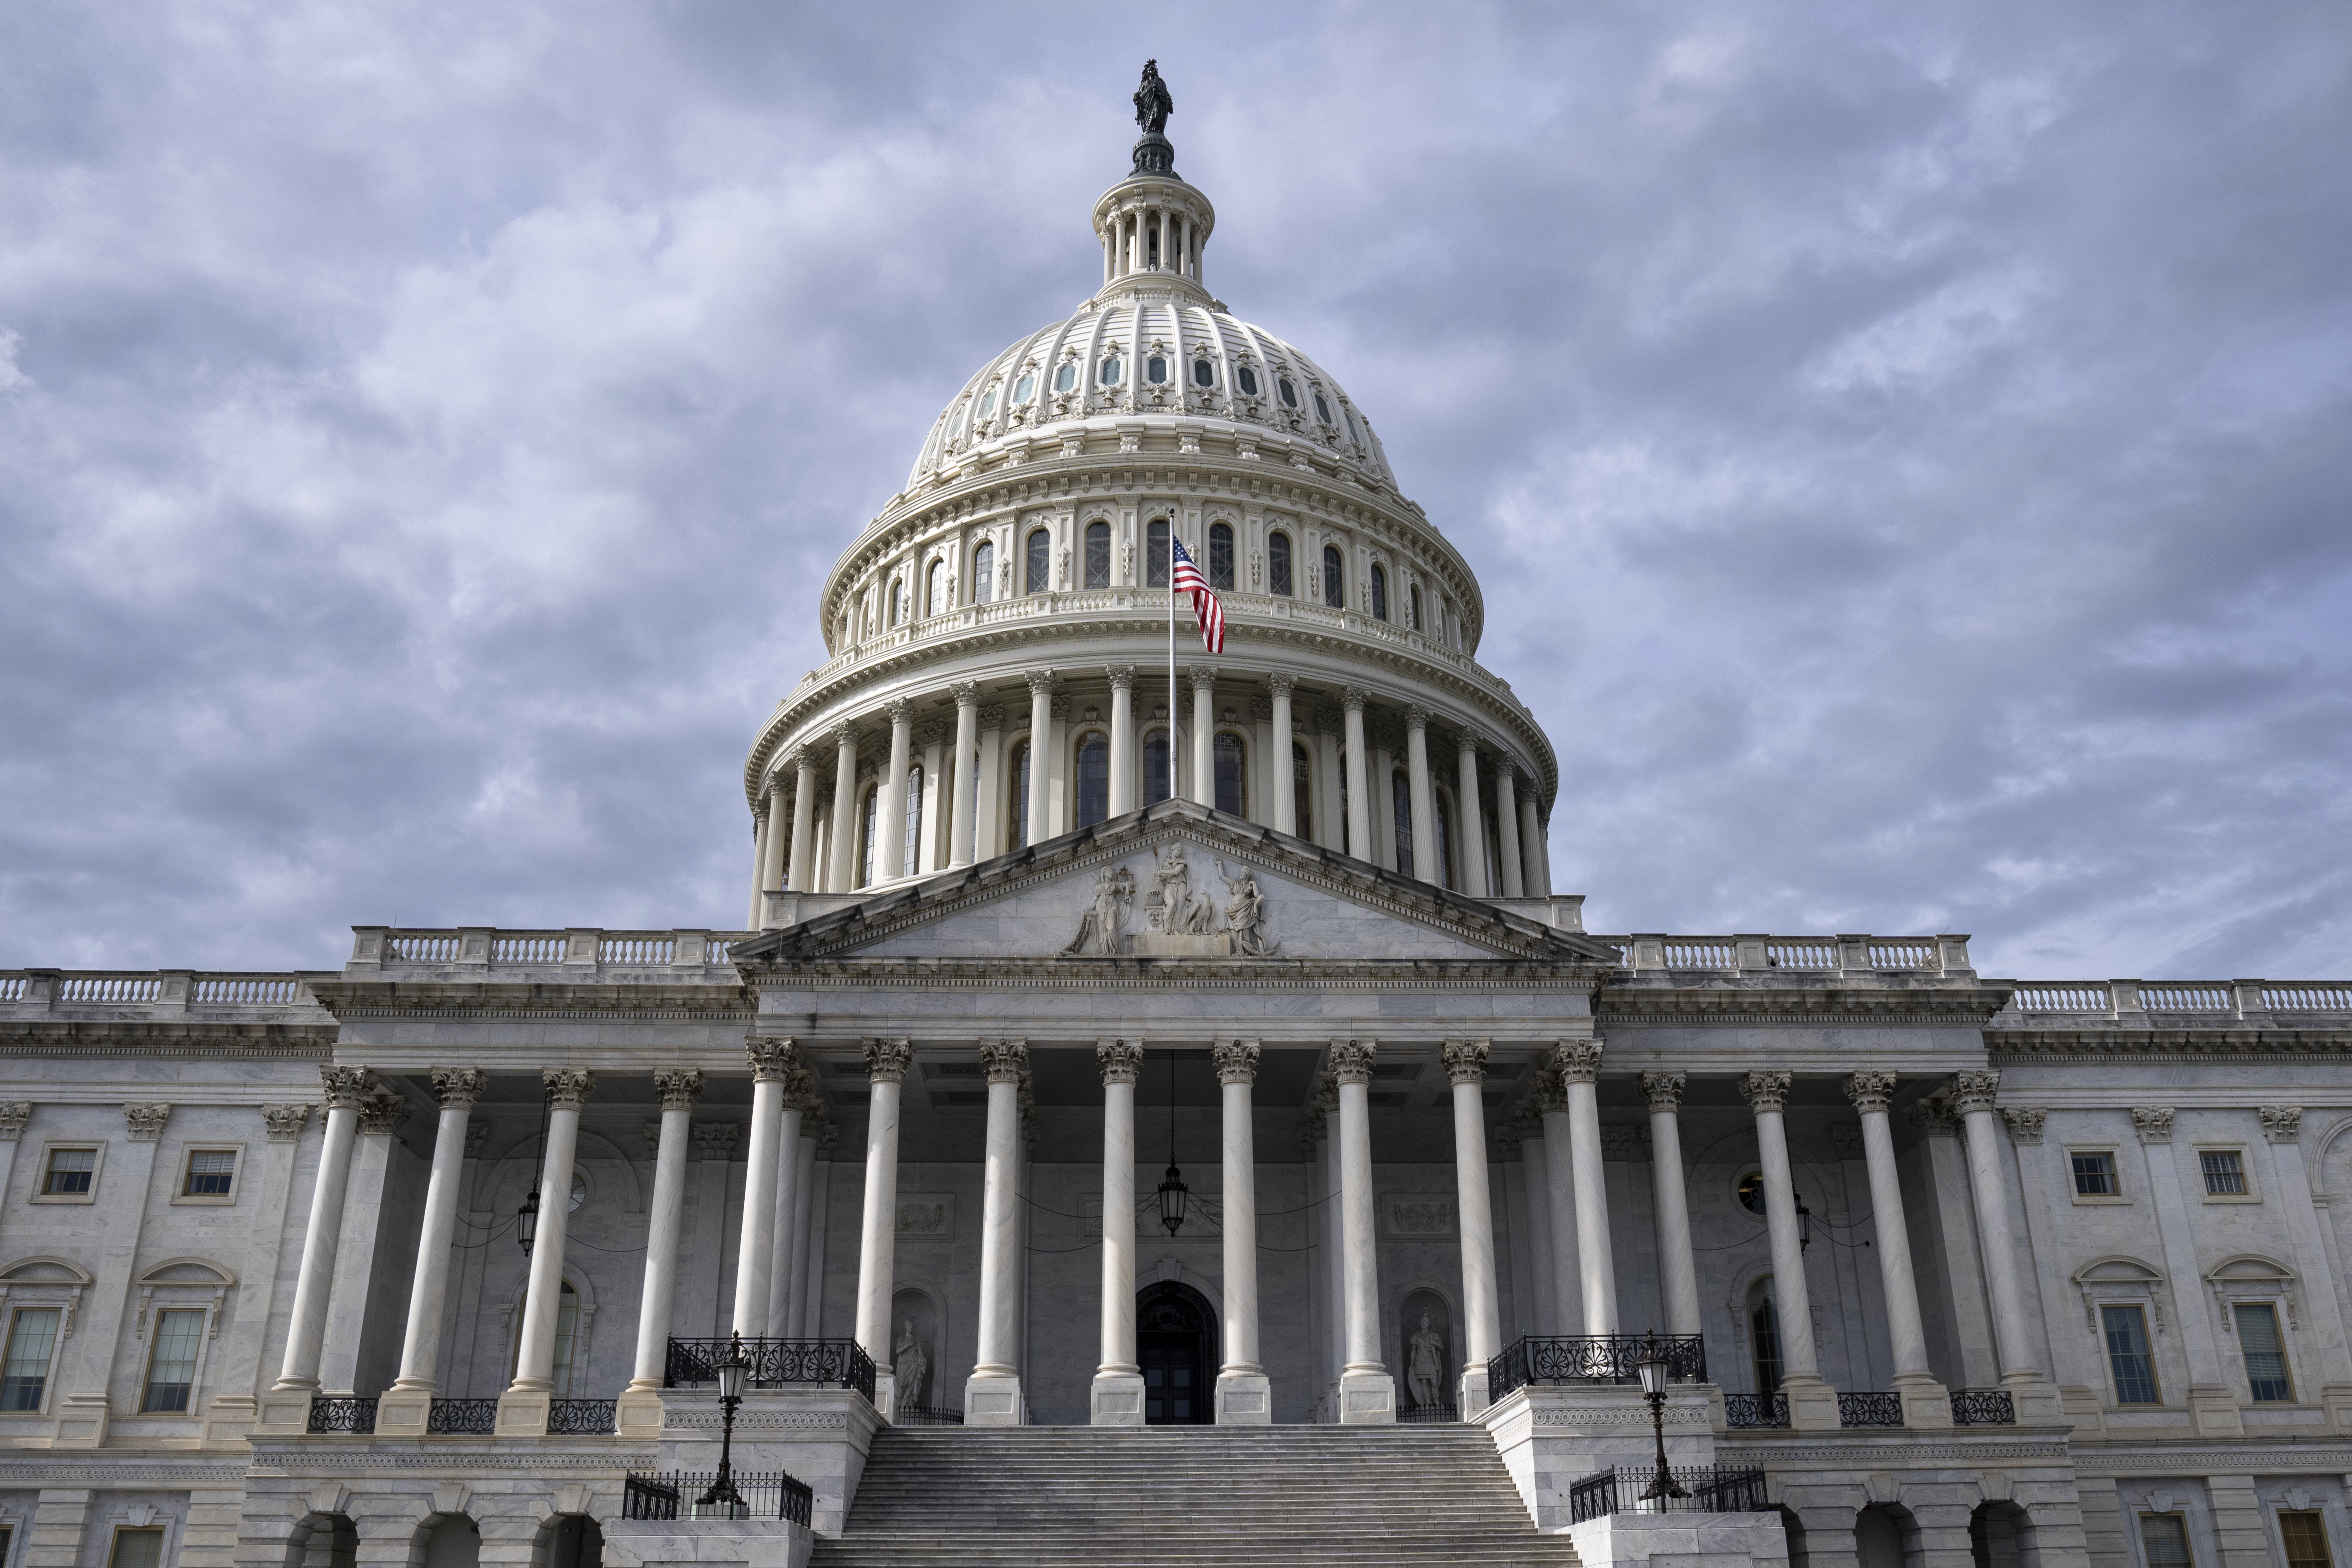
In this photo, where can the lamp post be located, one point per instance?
(1651, 1369)
(731, 1395)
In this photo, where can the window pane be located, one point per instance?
(866, 838)
(1248, 379)
(1040, 568)
(1155, 545)
(2304, 1535)
(1277, 563)
(1229, 775)
(1401, 802)
(2127, 1354)
(984, 574)
(71, 1169)
(1098, 555)
(1335, 578)
(1203, 373)
(24, 1376)
(1094, 779)
(137, 1548)
(1764, 1338)
(1155, 767)
(1380, 595)
(1155, 369)
(2265, 1352)
(1020, 797)
(1322, 409)
(1220, 557)
(1302, 784)
(2225, 1171)
(935, 589)
(171, 1364)
(1289, 393)
(209, 1172)
(2094, 1175)
(1024, 386)
(1065, 378)
(2166, 1539)
(908, 861)
(1111, 370)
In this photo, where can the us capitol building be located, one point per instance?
(1167, 1120)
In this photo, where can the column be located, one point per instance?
(1117, 1399)
(1973, 1096)
(1244, 1393)
(1466, 1068)
(404, 1406)
(1925, 1401)
(890, 810)
(524, 1409)
(1543, 1317)
(1040, 754)
(1424, 809)
(306, 1334)
(992, 1395)
(798, 1080)
(1204, 732)
(801, 875)
(1124, 797)
(1359, 792)
(765, 827)
(1578, 1062)
(804, 1205)
(773, 847)
(1812, 1403)
(1559, 1201)
(1472, 871)
(641, 1402)
(841, 848)
(1367, 1391)
(1537, 873)
(1284, 769)
(2283, 1131)
(1677, 1270)
(964, 774)
(755, 1244)
(1506, 830)
(885, 1070)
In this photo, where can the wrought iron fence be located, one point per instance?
(450, 1417)
(1593, 1358)
(1983, 1407)
(1870, 1409)
(927, 1415)
(1750, 1412)
(1427, 1415)
(343, 1413)
(672, 1494)
(840, 1361)
(1708, 1491)
(582, 1417)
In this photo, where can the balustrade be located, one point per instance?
(1870, 1409)
(1755, 1412)
(462, 1418)
(1983, 1407)
(344, 1414)
(1707, 1490)
(580, 1417)
(1593, 1358)
(670, 1495)
(843, 1362)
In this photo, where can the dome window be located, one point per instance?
(1065, 378)
(1203, 373)
(1111, 371)
(1156, 551)
(1037, 569)
(1350, 418)
(1249, 382)
(1380, 593)
(1322, 409)
(1098, 555)
(1277, 563)
(1155, 370)
(988, 403)
(1289, 393)
(1335, 578)
(984, 573)
(1220, 557)
(1024, 386)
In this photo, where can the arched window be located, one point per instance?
(984, 573)
(1155, 547)
(1220, 556)
(1764, 1335)
(1019, 838)
(1229, 774)
(1335, 578)
(1038, 571)
(1098, 555)
(1401, 804)
(865, 838)
(1444, 844)
(1094, 778)
(898, 602)
(1277, 563)
(1380, 593)
(1412, 604)
(909, 860)
(935, 589)
(1302, 790)
(1155, 767)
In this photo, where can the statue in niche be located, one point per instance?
(1152, 104)
(1180, 912)
(909, 1365)
(1424, 1364)
(1104, 923)
(1245, 914)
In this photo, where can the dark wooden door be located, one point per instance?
(1172, 1342)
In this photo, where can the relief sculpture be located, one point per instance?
(1181, 921)
(1102, 928)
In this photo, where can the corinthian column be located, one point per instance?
(1283, 772)
(406, 1403)
(965, 774)
(1360, 789)
(1424, 809)
(1117, 1395)
(773, 846)
(1812, 1403)
(755, 1249)
(890, 811)
(1678, 1270)
(1204, 732)
(1578, 1062)
(1040, 754)
(1924, 1401)
(800, 876)
(885, 1070)
(1244, 1392)
(1506, 830)
(992, 1395)
(1367, 1391)
(1123, 798)
(841, 844)
(298, 1376)
(640, 1414)
(524, 1409)
(789, 1209)
(1559, 1202)
(1466, 1068)
(1973, 1096)
(1472, 872)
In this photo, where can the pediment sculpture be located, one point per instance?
(1181, 921)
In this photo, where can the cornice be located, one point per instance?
(580, 1000)
(1249, 975)
(2250, 1455)
(1760, 1006)
(2078, 1046)
(171, 1037)
(1876, 1447)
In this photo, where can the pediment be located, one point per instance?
(1172, 883)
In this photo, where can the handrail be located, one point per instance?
(1705, 1489)
(1591, 1358)
(1869, 1409)
(342, 1414)
(672, 1494)
(843, 1362)
(1755, 1412)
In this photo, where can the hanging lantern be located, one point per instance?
(1172, 1196)
(1804, 1225)
(527, 1221)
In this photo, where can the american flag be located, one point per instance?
(1185, 578)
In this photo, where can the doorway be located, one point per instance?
(1175, 1341)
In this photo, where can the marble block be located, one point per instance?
(1684, 1539)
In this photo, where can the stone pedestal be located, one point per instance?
(739, 1542)
(1812, 1403)
(402, 1413)
(1366, 1399)
(523, 1413)
(285, 1413)
(1552, 1438)
(991, 1401)
(1470, 1393)
(1685, 1539)
(83, 1418)
(1117, 1399)
(1244, 1399)
(820, 1435)
(1927, 1404)
(639, 1414)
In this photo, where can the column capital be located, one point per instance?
(458, 1088)
(679, 1088)
(1261, 709)
(1352, 1060)
(2282, 1123)
(1201, 675)
(1934, 1117)
(993, 717)
(1059, 708)
(717, 1140)
(382, 1111)
(1354, 699)
(801, 1092)
(2152, 1123)
(568, 1089)
(898, 710)
(1120, 1060)
(346, 1087)
(843, 737)
(1973, 1091)
(145, 1123)
(1870, 1088)
(1003, 1061)
(2024, 1122)
(801, 759)
(14, 1113)
(932, 732)
(1416, 717)
(1577, 1061)
(1282, 685)
(1465, 1060)
(787, 764)
(772, 1057)
(1041, 682)
(885, 1061)
(1765, 1090)
(1329, 721)
(966, 693)
(1122, 676)
(1474, 741)
(284, 1123)
(1551, 1094)
(1663, 1091)
(1236, 1061)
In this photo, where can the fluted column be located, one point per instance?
(841, 847)
(1244, 1395)
(1472, 872)
(791, 1103)
(801, 875)
(1533, 849)
(1812, 1403)
(1559, 1201)
(1506, 830)
(1925, 1401)
(755, 1245)
(1117, 1399)
(1367, 1391)
(1284, 771)
(890, 809)
(1973, 1096)
(965, 774)
(1123, 795)
(1040, 754)
(1578, 1062)
(815, 1126)
(1204, 732)
(1360, 789)
(764, 828)
(522, 1410)
(411, 1395)
(1677, 1270)
(1466, 1069)
(992, 1395)
(640, 1411)
(1425, 866)
(771, 852)
(346, 1087)
(885, 1070)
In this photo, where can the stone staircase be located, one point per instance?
(1202, 1496)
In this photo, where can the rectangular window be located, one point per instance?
(137, 1548)
(69, 1172)
(171, 1364)
(2095, 1177)
(2265, 1352)
(210, 1171)
(2166, 1537)
(2304, 1535)
(2128, 1356)
(25, 1373)
(2225, 1172)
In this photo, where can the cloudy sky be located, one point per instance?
(1905, 449)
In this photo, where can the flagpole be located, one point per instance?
(1173, 711)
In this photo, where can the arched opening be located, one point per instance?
(1098, 555)
(1401, 807)
(1335, 578)
(1175, 1341)
(1792, 1530)
(2000, 1535)
(570, 1540)
(1882, 1536)
(1094, 777)
(1038, 571)
(323, 1540)
(1764, 1335)
(898, 602)
(908, 861)
(1380, 593)
(1220, 556)
(935, 589)
(1156, 787)
(1230, 758)
(984, 573)
(1018, 837)
(453, 1541)
(1302, 790)
(1277, 565)
(1155, 550)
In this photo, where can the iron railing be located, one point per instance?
(471, 1418)
(1983, 1407)
(1751, 1412)
(926, 1415)
(671, 1495)
(1593, 1358)
(1870, 1409)
(582, 1417)
(1708, 1489)
(839, 1362)
(346, 1413)
(1427, 1415)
